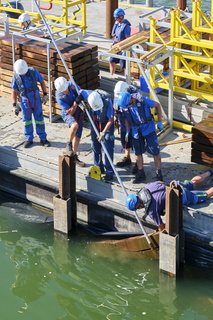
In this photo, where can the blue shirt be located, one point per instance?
(65, 101)
(26, 80)
(157, 205)
(96, 114)
(145, 128)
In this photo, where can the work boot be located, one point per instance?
(79, 162)
(108, 177)
(135, 169)
(124, 162)
(27, 144)
(45, 143)
(69, 150)
(159, 176)
(140, 176)
(102, 170)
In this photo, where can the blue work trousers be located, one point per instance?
(97, 151)
(31, 105)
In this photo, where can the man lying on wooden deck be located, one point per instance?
(152, 197)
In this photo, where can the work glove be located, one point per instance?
(45, 98)
(101, 137)
(127, 136)
(79, 98)
(160, 125)
(16, 108)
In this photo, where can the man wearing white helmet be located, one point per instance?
(24, 82)
(139, 119)
(24, 20)
(120, 87)
(120, 31)
(103, 116)
(68, 99)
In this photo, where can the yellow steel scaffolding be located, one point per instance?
(192, 71)
(70, 13)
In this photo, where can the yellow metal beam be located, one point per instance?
(183, 126)
(199, 43)
(195, 93)
(202, 77)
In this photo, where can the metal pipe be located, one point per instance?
(92, 123)
(49, 82)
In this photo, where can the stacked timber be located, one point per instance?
(202, 142)
(81, 59)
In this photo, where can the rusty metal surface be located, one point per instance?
(174, 212)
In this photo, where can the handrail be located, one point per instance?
(50, 7)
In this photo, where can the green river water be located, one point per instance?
(46, 276)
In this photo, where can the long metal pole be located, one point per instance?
(150, 87)
(93, 125)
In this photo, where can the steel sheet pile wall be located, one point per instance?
(81, 59)
(202, 142)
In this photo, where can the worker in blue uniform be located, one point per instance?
(101, 110)
(24, 83)
(121, 30)
(138, 118)
(14, 5)
(71, 113)
(152, 197)
(120, 87)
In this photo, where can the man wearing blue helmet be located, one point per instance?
(139, 119)
(152, 197)
(120, 31)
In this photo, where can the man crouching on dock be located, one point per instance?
(152, 197)
(71, 113)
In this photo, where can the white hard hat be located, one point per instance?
(23, 17)
(61, 84)
(121, 86)
(20, 66)
(95, 101)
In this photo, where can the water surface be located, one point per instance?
(45, 275)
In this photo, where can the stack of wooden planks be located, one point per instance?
(81, 59)
(202, 142)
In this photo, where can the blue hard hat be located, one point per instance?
(131, 201)
(124, 100)
(118, 12)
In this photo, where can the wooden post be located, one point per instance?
(172, 238)
(181, 4)
(65, 213)
(111, 5)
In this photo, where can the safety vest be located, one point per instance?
(141, 112)
(123, 26)
(66, 98)
(106, 99)
(33, 80)
(146, 196)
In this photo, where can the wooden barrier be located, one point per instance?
(202, 142)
